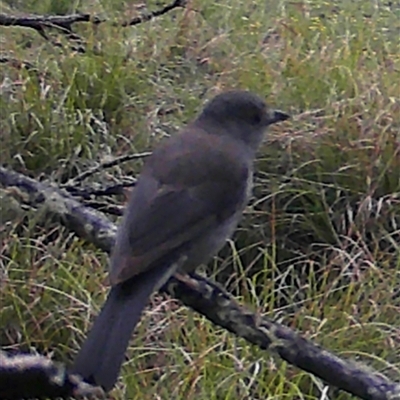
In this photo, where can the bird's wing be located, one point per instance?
(162, 217)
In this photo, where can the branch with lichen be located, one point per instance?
(209, 299)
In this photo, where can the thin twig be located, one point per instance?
(154, 14)
(87, 193)
(104, 165)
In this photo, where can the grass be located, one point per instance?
(319, 246)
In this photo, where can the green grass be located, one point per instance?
(319, 246)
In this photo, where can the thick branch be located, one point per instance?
(28, 376)
(212, 301)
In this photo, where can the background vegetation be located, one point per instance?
(319, 248)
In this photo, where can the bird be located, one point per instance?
(188, 200)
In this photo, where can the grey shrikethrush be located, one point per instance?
(187, 202)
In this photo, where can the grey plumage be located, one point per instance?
(187, 202)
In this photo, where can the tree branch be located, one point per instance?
(27, 376)
(211, 300)
(63, 23)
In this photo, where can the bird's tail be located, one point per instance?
(102, 354)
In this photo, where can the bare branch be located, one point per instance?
(107, 164)
(63, 23)
(26, 376)
(154, 14)
(53, 21)
(88, 192)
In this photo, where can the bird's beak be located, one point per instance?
(277, 116)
